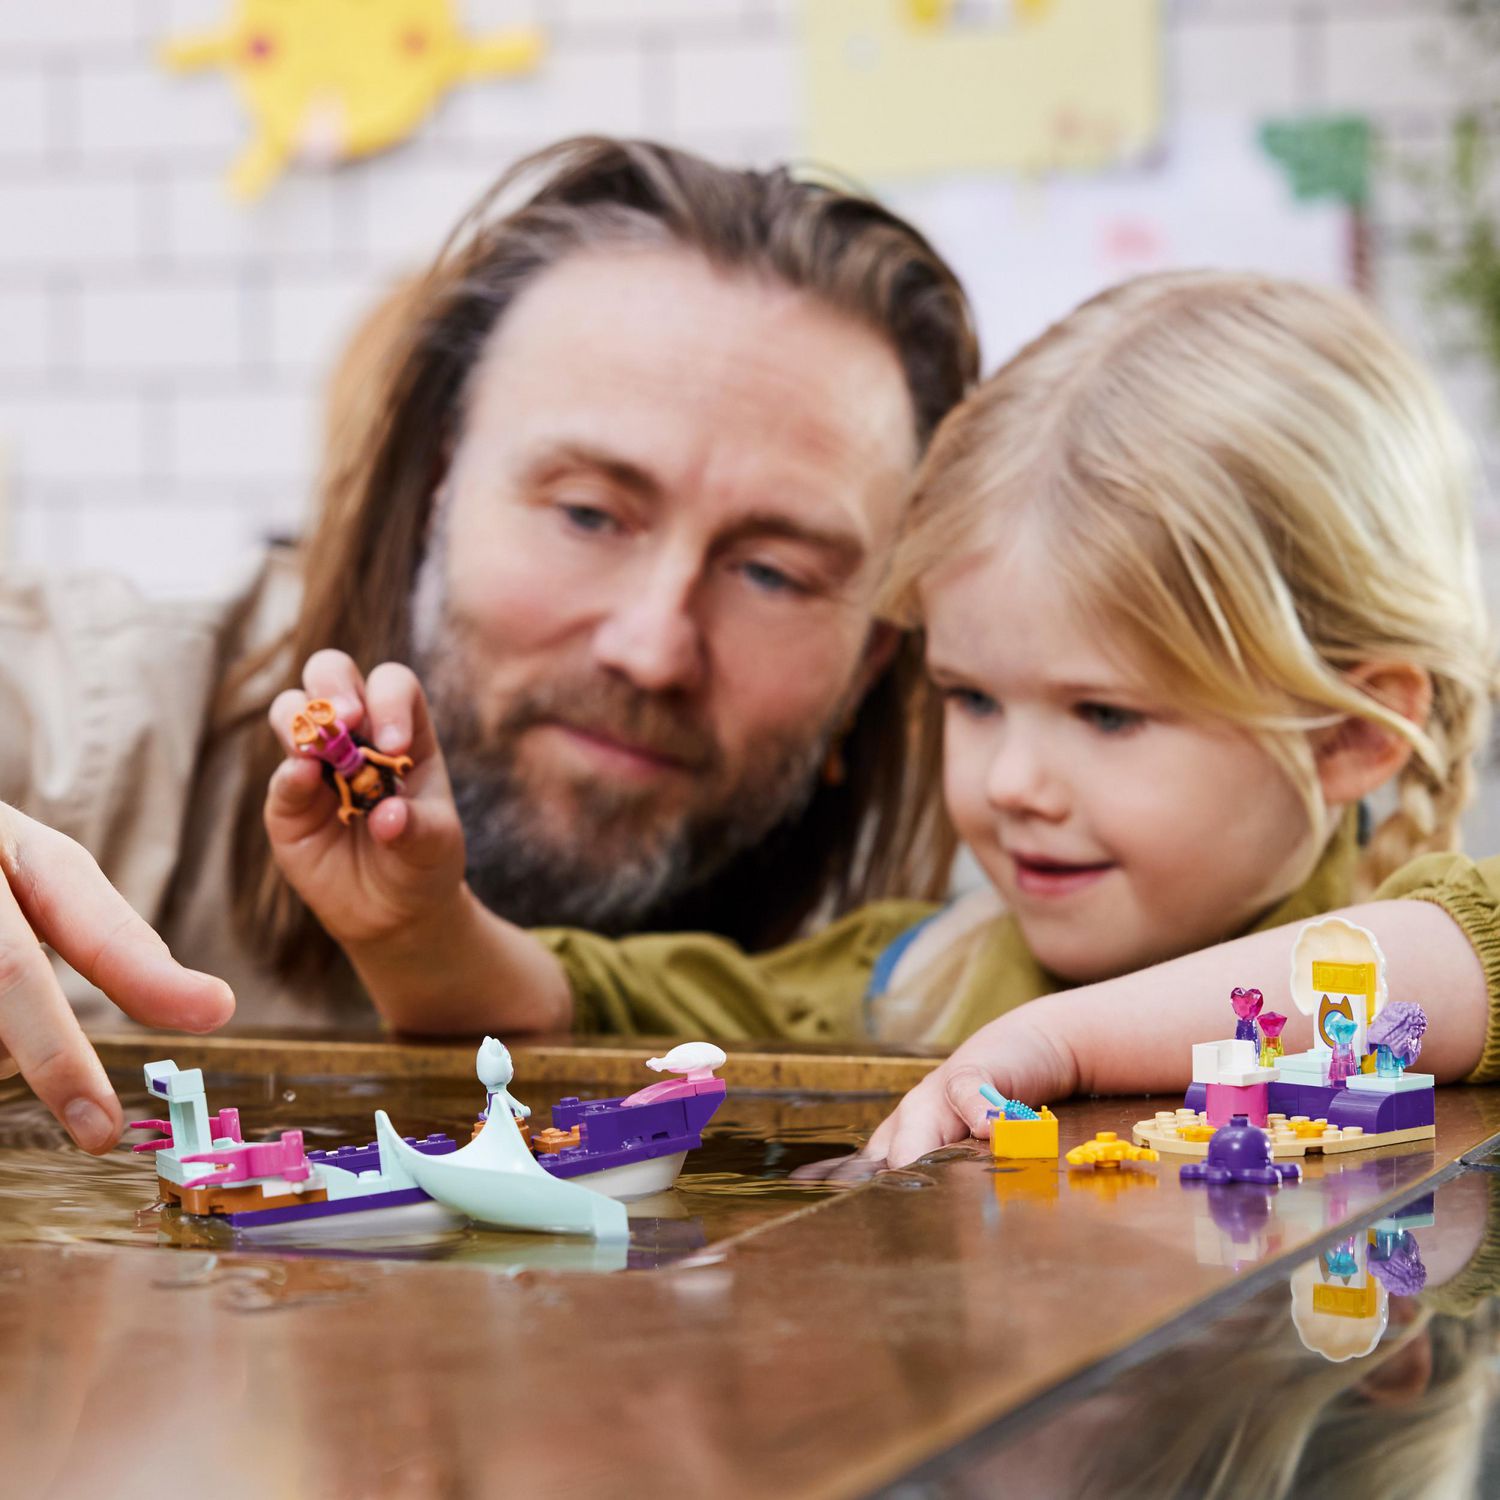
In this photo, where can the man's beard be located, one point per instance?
(609, 856)
(560, 850)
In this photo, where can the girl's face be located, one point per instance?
(1118, 832)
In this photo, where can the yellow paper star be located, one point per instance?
(328, 80)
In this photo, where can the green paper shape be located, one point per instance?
(1322, 156)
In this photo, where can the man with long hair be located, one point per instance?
(617, 488)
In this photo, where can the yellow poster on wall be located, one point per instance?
(914, 88)
(328, 80)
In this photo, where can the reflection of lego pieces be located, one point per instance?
(1110, 1184)
(1346, 1301)
(1027, 1182)
(1021, 1140)
(1107, 1150)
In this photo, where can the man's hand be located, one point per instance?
(52, 891)
(392, 893)
(404, 868)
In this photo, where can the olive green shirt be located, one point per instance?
(818, 989)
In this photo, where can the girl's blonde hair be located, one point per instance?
(1252, 489)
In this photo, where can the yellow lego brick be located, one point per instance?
(1025, 1140)
(1346, 1301)
(1108, 1150)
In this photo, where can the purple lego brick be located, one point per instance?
(359, 1159)
(612, 1134)
(1373, 1113)
(328, 1208)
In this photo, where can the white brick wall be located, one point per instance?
(158, 338)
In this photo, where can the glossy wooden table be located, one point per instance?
(827, 1353)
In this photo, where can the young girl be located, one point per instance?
(1197, 577)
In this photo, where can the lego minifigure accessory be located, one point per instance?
(1344, 1064)
(1271, 1026)
(1395, 1036)
(360, 774)
(1247, 1004)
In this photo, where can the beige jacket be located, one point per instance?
(105, 697)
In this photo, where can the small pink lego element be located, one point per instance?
(223, 1126)
(240, 1162)
(1247, 1004)
(675, 1088)
(1271, 1027)
(694, 1062)
(1225, 1100)
(161, 1142)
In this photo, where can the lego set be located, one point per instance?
(615, 1149)
(1351, 1091)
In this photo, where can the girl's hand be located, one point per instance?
(51, 891)
(402, 865)
(1013, 1054)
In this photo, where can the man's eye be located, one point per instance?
(969, 701)
(771, 580)
(1108, 719)
(589, 518)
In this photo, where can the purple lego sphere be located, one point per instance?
(1240, 1152)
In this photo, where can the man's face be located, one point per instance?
(647, 604)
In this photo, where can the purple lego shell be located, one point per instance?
(1400, 1026)
(1401, 1272)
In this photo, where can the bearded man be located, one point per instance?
(620, 498)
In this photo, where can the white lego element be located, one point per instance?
(1304, 1067)
(688, 1057)
(1331, 941)
(1339, 1317)
(1407, 1083)
(1247, 1076)
(187, 1109)
(1395, 1223)
(1224, 1062)
(495, 1179)
(495, 1070)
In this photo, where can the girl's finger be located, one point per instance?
(926, 1129)
(333, 675)
(961, 1091)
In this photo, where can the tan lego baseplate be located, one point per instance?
(1181, 1132)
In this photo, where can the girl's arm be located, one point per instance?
(1135, 1034)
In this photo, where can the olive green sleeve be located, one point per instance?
(698, 985)
(1469, 891)
(1480, 1279)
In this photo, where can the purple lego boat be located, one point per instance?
(617, 1148)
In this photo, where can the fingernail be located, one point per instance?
(390, 738)
(344, 707)
(88, 1124)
